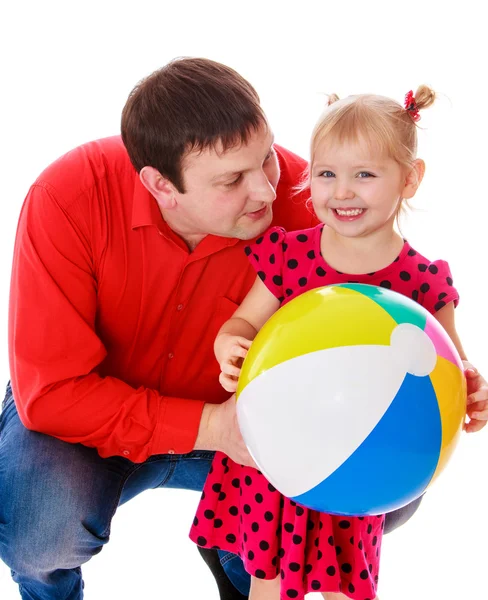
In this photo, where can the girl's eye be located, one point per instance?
(365, 175)
(235, 182)
(327, 174)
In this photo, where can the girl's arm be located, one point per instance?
(477, 386)
(235, 336)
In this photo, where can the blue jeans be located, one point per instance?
(57, 501)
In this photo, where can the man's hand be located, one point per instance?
(230, 351)
(219, 430)
(477, 404)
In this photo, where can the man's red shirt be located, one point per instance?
(112, 319)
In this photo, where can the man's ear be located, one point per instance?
(161, 188)
(414, 178)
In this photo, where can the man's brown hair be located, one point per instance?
(189, 104)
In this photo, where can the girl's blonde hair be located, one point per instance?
(382, 123)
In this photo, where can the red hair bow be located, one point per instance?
(411, 106)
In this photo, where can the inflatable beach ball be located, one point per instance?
(351, 399)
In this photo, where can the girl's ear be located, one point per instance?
(414, 178)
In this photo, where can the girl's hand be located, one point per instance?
(477, 404)
(231, 350)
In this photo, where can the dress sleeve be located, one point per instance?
(437, 287)
(266, 256)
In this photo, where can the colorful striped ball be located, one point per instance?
(351, 399)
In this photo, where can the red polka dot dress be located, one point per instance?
(240, 511)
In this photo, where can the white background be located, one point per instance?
(66, 70)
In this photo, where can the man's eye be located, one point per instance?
(235, 182)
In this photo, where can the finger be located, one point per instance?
(238, 351)
(474, 425)
(479, 396)
(230, 369)
(479, 415)
(228, 383)
(244, 342)
(471, 372)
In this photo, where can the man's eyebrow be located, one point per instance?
(238, 172)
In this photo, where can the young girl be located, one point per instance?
(363, 166)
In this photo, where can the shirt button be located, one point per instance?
(179, 307)
(171, 451)
(125, 452)
(170, 355)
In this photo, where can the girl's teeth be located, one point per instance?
(349, 213)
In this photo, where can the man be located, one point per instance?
(128, 258)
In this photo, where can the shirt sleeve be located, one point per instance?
(266, 256)
(55, 352)
(437, 286)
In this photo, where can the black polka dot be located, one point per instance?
(274, 237)
(272, 259)
(203, 495)
(201, 541)
(311, 254)
(234, 511)
(319, 554)
(248, 250)
(375, 541)
(403, 275)
(245, 536)
(258, 498)
(288, 292)
(268, 516)
(449, 280)
(299, 511)
(320, 272)
(415, 295)
(351, 540)
(262, 275)
(386, 284)
(302, 282)
(288, 527)
(301, 237)
(195, 521)
(294, 566)
(316, 542)
(222, 496)
(255, 527)
(315, 585)
(284, 245)
(260, 240)
(259, 574)
(338, 550)
(250, 555)
(424, 288)
(440, 305)
(422, 267)
(236, 482)
(291, 593)
(274, 561)
(346, 568)
(433, 269)
(331, 540)
(277, 280)
(411, 252)
(331, 571)
(360, 545)
(364, 574)
(310, 524)
(248, 480)
(370, 528)
(282, 574)
(351, 588)
(308, 569)
(264, 545)
(217, 487)
(218, 523)
(209, 514)
(442, 295)
(256, 257)
(344, 524)
(370, 568)
(281, 553)
(297, 539)
(292, 263)
(247, 509)
(231, 538)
